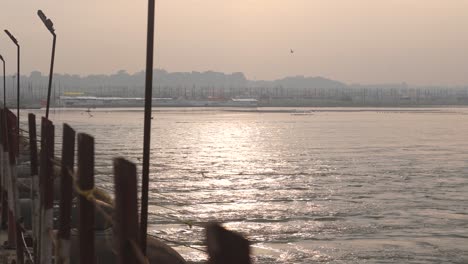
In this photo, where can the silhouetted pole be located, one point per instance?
(147, 126)
(50, 26)
(4, 82)
(66, 188)
(126, 210)
(86, 207)
(47, 191)
(18, 80)
(226, 247)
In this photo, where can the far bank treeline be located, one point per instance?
(289, 91)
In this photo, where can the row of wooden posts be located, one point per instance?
(42, 195)
(46, 245)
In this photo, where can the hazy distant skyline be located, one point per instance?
(359, 41)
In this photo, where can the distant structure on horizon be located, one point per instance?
(194, 88)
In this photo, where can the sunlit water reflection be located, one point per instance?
(333, 187)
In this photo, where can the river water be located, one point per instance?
(339, 185)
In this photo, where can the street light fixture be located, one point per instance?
(50, 26)
(4, 82)
(18, 79)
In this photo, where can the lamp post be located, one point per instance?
(147, 125)
(18, 80)
(4, 82)
(50, 26)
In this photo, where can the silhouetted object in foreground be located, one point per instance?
(87, 209)
(226, 247)
(157, 251)
(50, 26)
(4, 82)
(17, 76)
(147, 126)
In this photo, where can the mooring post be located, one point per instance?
(147, 125)
(19, 244)
(42, 171)
(47, 191)
(1, 166)
(86, 188)
(34, 181)
(5, 211)
(10, 203)
(66, 191)
(4, 82)
(226, 247)
(3, 155)
(126, 210)
(14, 208)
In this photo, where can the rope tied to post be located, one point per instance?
(87, 194)
(140, 256)
(95, 194)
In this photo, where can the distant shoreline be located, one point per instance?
(264, 110)
(261, 106)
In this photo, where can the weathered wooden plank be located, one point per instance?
(226, 247)
(47, 190)
(126, 211)
(86, 186)
(4, 154)
(66, 189)
(10, 132)
(34, 179)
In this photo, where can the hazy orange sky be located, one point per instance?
(365, 41)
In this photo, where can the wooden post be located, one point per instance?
(86, 185)
(66, 189)
(226, 247)
(14, 208)
(6, 170)
(33, 144)
(4, 154)
(19, 244)
(42, 168)
(34, 181)
(47, 190)
(1, 167)
(10, 132)
(126, 210)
